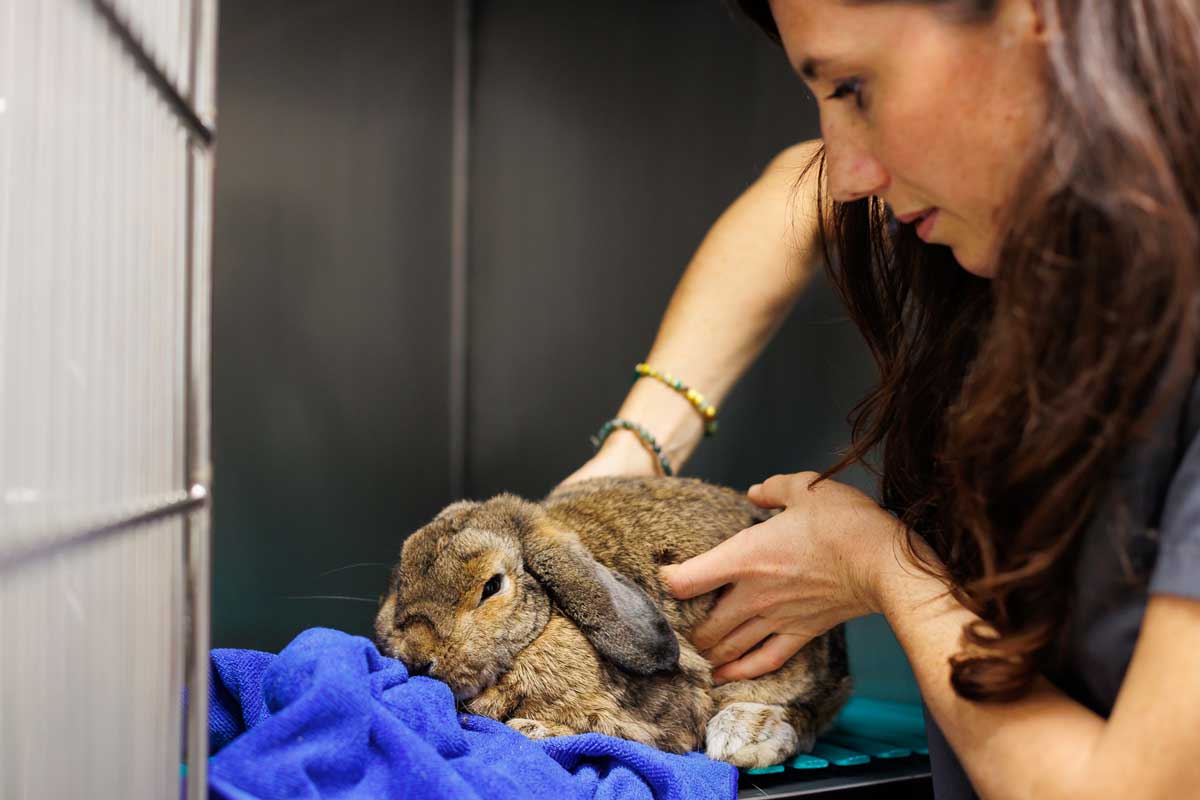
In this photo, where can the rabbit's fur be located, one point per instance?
(582, 636)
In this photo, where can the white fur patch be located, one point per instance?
(530, 727)
(751, 735)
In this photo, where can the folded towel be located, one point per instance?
(331, 717)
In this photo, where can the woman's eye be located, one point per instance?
(846, 88)
(491, 587)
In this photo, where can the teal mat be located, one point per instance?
(865, 729)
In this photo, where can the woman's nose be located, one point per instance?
(854, 173)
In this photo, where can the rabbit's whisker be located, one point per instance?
(330, 597)
(353, 566)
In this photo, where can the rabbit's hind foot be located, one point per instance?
(751, 735)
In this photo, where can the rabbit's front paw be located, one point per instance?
(751, 735)
(530, 727)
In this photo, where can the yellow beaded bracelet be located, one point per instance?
(707, 411)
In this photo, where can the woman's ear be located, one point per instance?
(1025, 20)
(619, 619)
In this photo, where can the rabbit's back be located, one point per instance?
(560, 683)
(636, 525)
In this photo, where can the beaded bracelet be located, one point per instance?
(707, 410)
(643, 434)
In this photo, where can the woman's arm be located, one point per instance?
(833, 554)
(1048, 746)
(734, 295)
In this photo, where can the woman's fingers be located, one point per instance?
(759, 498)
(771, 493)
(777, 490)
(743, 638)
(773, 654)
(705, 572)
(736, 606)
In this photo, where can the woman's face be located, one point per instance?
(932, 114)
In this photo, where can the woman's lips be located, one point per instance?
(925, 227)
(924, 218)
(913, 216)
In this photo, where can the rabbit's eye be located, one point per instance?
(491, 587)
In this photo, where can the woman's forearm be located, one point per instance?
(734, 295)
(1036, 747)
(1046, 745)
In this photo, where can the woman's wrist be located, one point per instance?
(625, 454)
(879, 558)
(667, 415)
(901, 578)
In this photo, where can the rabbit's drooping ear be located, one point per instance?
(619, 619)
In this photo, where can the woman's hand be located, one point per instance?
(790, 578)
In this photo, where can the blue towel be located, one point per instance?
(331, 717)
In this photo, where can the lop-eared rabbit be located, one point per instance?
(551, 617)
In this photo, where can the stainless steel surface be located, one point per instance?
(103, 507)
(166, 83)
(94, 228)
(606, 140)
(460, 171)
(162, 30)
(331, 305)
(52, 544)
(198, 370)
(91, 678)
(197, 622)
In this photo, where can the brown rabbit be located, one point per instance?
(551, 617)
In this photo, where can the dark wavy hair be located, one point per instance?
(1003, 407)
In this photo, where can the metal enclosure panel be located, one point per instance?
(330, 298)
(607, 139)
(203, 85)
(163, 29)
(92, 293)
(198, 553)
(92, 675)
(98, 273)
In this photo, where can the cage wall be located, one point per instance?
(106, 130)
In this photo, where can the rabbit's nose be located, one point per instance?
(424, 668)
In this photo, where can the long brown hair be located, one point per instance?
(1003, 407)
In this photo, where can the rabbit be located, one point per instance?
(551, 617)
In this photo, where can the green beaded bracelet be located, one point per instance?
(706, 410)
(643, 434)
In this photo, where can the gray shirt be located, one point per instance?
(1152, 546)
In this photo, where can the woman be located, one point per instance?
(1011, 199)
